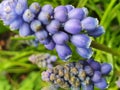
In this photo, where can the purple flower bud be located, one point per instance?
(106, 68)
(81, 40)
(32, 59)
(63, 51)
(28, 16)
(50, 45)
(36, 25)
(45, 76)
(90, 60)
(41, 35)
(89, 23)
(48, 61)
(85, 11)
(60, 37)
(53, 27)
(60, 8)
(25, 30)
(16, 24)
(97, 32)
(88, 87)
(95, 65)
(53, 58)
(102, 84)
(61, 16)
(48, 8)
(85, 52)
(21, 7)
(69, 7)
(44, 17)
(9, 18)
(73, 26)
(88, 70)
(45, 41)
(7, 6)
(50, 66)
(82, 74)
(35, 7)
(76, 13)
(97, 76)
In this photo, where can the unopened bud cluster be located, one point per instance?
(53, 27)
(83, 74)
(43, 60)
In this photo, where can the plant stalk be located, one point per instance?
(104, 48)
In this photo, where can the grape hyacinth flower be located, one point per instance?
(43, 60)
(53, 26)
(63, 51)
(51, 45)
(75, 75)
(60, 38)
(35, 7)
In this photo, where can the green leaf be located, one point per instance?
(4, 83)
(3, 28)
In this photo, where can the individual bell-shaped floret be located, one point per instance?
(25, 30)
(45, 76)
(63, 51)
(53, 27)
(94, 64)
(36, 25)
(81, 40)
(28, 16)
(7, 6)
(35, 7)
(73, 26)
(48, 8)
(77, 13)
(16, 24)
(21, 7)
(61, 16)
(97, 76)
(102, 84)
(85, 52)
(97, 32)
(60, 37)
(41, 35)
(50, 45)
(89, 23)
(9, 18)
(69, 7)
(60, 8)
(106, 68)
(89, 71)
(44, 17)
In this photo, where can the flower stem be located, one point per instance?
(102, 47)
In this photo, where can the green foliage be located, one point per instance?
(14, 60)
(4, 83)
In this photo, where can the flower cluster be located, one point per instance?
(53, 27)
(43, 60)
(84, 74)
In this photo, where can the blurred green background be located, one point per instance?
(17, 73)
